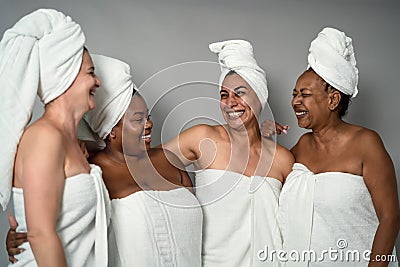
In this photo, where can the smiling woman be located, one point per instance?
(238, 104)
(343, 187)
(239, 175)
(49, 172)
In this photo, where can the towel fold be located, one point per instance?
(81, 224)
(327, 211)
(112, 99)
(237, 55)
(332, 57)
(41, 54)
(239, 218)
(156, 228)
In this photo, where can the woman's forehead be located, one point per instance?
(137, 105)
(234, 81)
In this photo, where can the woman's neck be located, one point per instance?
(247, 134)
(114, 155)
(62, 117)
(327, 134)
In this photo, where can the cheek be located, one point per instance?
(222, 104)
(252, 103)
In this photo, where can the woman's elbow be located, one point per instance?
(392, 219)
(37, 237)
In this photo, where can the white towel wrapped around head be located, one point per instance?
(332, 57)
(237, 55)
(40, 55)
(112, 99)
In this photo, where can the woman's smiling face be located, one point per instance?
(238, 101)
(134, 126)
(310, 100)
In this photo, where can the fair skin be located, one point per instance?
(47, 154)
(236, 146)
(334, 145)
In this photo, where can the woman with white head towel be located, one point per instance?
(155, 220)
(59, 199)
(341, 194)
(239, 175)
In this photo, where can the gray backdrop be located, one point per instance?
(154, 35)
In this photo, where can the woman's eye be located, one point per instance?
(239, 93)
(305, 95)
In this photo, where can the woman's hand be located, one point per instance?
(14, 240)
(269, 127)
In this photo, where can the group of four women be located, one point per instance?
(338, 184)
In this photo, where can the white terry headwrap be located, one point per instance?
(112, 99)
(237, 55)
(332, 57)
(42, 55)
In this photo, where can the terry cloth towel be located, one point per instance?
(329, 210)
(112, 98)
(156, 228)
(81, 224)
(240, 218)
(237, 55)
(41, 54)
(332, 57)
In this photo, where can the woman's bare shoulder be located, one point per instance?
(43, 135)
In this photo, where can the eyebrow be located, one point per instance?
(302, 89)
(235, 89)
(138, 112)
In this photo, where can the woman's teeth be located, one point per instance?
(235, 114)
(301, 113)
(146, 136)
(92, 92)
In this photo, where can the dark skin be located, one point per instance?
(152, 168)
(336, 146)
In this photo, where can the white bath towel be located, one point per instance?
(82, 221)
(240, 222)
(41, 54)
(332, 57)
(156, 228)
(112, 98)
(237, 55)
(327, 211)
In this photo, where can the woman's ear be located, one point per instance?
(112, 134)
(334, 100)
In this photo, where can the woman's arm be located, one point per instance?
(379, 176)
(186, 146)
(43, 181)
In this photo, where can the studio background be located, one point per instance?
(154, 35)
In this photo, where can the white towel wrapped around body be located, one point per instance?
(330, 210)
(40, 55)
(237, 55)
(156, 228)
(332, 57)
(240, 218)
(81, 224)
